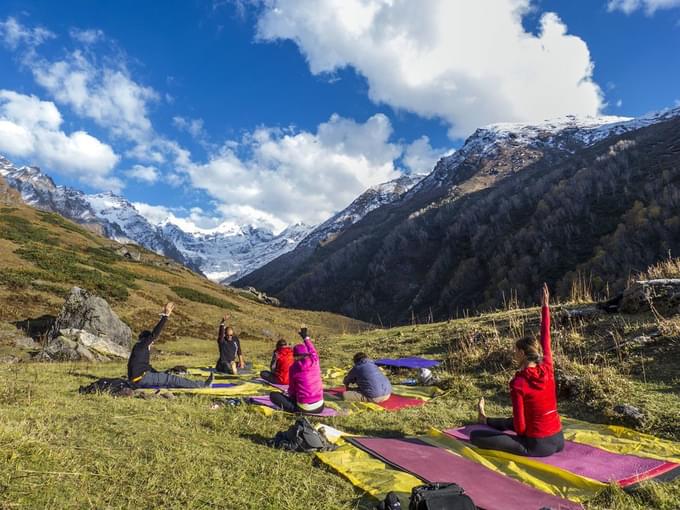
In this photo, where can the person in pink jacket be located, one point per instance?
(305, 388)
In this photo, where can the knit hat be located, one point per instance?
(300, 350)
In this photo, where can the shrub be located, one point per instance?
(200, 297)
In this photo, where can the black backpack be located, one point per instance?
(440, 496)
(302, 437)
(115, 386)
(391, 502)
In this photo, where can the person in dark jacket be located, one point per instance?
(140, 371)
(231, 357)
(373, 385)
(282, 359)
(534, 401)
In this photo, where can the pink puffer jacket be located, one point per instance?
(305, 385)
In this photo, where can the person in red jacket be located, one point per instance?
(282, 359)
(534, 401)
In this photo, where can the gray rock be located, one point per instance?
(23, 342)
(129, 253)
(102, 345)
(85, 311)
(9, 360)
(663, 295)
(630, 413)
(62, 348)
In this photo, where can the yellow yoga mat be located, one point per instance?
(240, 390)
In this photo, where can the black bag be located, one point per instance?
(440, 496)
(391, 502)
(302, 437)
(115, 386)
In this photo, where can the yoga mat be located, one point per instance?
(281, 387)
(394, 403)
(214, 385)
(266, 401)
(592, 462)
(246, 389)
(412, 362)
(488, 490)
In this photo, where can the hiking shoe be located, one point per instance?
(209, 381)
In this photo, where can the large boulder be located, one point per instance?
(90, 313)
(78, 344)
(662, 294)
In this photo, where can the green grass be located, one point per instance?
(21, 230)
(201, 297)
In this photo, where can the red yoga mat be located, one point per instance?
(488, 490)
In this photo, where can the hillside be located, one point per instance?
(44, 255)
(63, 450)
(514, 207)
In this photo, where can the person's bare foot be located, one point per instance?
(481, 415)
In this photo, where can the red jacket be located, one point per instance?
(534, 400)
(283, 359)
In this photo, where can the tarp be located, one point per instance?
(246, 389)
(487, 488)
(588, 461)
(412, 362)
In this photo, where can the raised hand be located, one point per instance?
(168, 308)
(225, 318)
(545, 295)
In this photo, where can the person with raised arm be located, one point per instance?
(231, 357)
(305, 387)
(140, 372)
(535, 419)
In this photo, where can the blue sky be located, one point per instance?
(278, 111)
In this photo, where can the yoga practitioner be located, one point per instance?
(373, 385)
(140, 371)
(230, 350)
(282, 359)
(305, 388)
(534, 402)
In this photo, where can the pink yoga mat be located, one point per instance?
(394, 403)
(488, 490)
(266, 401)
(591, 462)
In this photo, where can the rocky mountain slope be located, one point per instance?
(515, 205)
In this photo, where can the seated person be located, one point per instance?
(282, 359)
(230, 350)
(305, 388)
(140, 371)
(373, 385)
(534, 401)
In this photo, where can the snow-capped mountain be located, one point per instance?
(223, 254)
(368, 201)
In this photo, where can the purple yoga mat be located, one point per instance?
(488, 490)
(586, 460)
(266, 401)
(282, 387)
(413, 362)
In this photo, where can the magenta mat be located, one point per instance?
(590, 461)
(488, 490)
(266, 401)
(394, 403)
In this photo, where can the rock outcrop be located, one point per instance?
(85, 311)
(663, 295)
(77, 344)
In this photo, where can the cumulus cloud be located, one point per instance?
(192, 220)
(469, 63)
(282, 176)
(420, 157)
(148, 174)
(649, 6)
(87, 36)
(14, 34)
(31, 128)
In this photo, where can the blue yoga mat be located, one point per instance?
(412, 362)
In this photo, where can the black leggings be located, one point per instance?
(519, 445)
(289, 405)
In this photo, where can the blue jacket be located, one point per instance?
(371, 381)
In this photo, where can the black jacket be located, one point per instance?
(230, 350)
(139, 362)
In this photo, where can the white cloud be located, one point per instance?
(31, 128)
(14, 34)
(194, 220)
(148, 174)
(88, 36)
(469, 63)
(420, 157)
(280, 176)
(649, 6)
(192, 126)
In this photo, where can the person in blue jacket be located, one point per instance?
(372, 384)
